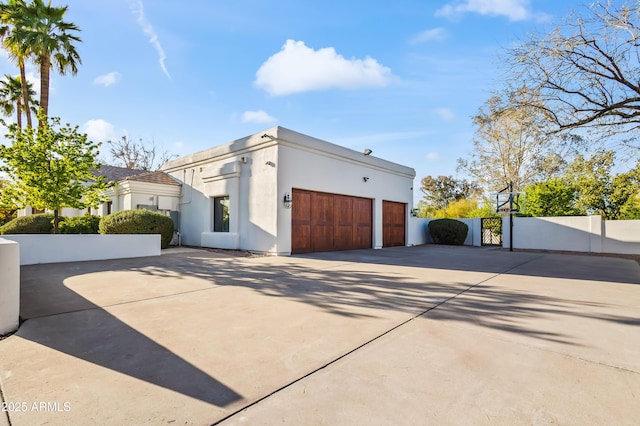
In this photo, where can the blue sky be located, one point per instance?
(402, 78)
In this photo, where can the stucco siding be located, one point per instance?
(320, 171)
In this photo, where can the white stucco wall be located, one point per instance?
(621, 236)
(317, 166)
(257, 171)
(9, 285)
(73, 248)
(571, 233)
(249, 182)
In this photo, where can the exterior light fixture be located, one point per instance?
(367, 151)
(414, 212)
(287, 201)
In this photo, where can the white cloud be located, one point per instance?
(179, 146)
(298, 68)
(433, 156)
(138, 9)
(108, 79)
(99, 130)
(515, 10)
(257, 117)
(445, 113)
(433, 34)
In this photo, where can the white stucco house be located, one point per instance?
(282, 192)
(132, 189)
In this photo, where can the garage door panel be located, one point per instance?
(322, 222)
(393, 224)
(301, 221)
(343, 216)
(363, 219)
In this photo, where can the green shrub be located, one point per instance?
(448, 231)
(33, 224)
(87, 224)
(138, 222)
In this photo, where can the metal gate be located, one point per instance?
(491, 231)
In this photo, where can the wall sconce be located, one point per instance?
(414, 212)
(287, 201)
(364, 179)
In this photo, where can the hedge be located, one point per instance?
(33, 224)
(87, 224)
(138, 222)
(448, 231)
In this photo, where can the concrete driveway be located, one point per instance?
(422, 335)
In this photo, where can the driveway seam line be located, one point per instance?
(357, 348)
(127, 303)
(2, 401)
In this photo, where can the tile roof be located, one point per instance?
(117, 174)
(155, 177)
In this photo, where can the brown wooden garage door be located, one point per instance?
(328, 222)
(393, 223)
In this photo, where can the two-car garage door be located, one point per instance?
(325, 222)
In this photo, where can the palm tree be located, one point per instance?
(12, 16)
(11, 96)
(50, 40)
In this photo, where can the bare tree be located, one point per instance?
(587, 70)
(137, 155)
(512, 143)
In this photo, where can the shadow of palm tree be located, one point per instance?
(91, 333)
(338, 283)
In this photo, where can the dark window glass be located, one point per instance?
(109, 205)
(221, 214)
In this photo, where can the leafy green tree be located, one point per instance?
(440, 191)
(11, 97)
(7, 212)
(631, 210)
(40, 31)
(554, 197)
(462, 208)
(50, 167)
(600, 192)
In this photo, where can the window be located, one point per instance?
(109, 205)
(221, 214)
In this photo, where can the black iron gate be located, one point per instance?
(491, 230)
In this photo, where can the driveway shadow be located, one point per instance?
(492, 260)
(341, 284)
(91, 333)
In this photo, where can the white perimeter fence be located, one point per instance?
(570, 233)
(16, 250)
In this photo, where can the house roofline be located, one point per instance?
(281, 135)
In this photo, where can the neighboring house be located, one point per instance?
(133, 189)
(283, 192)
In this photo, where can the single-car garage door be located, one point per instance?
(393, 223)
(325, 222)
